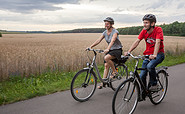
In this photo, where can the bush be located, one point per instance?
(0, 35)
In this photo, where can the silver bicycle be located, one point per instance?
(84, 82)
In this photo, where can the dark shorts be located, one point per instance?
(116, 53)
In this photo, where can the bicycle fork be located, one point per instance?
(88, 77)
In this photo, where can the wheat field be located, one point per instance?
(32, 54)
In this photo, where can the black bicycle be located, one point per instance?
(133, 90)
(84, 82)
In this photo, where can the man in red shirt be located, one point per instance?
(153, 37)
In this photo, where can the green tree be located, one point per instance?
(0, 35)
(175, 28)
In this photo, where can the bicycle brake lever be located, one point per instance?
(101, 51)
(128, 54)
(86, 49)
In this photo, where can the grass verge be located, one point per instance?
(17, 88)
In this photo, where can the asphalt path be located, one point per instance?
(100, 102)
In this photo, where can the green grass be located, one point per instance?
(17, 88)
(171, 60)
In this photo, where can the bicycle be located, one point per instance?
(84, 82)
(132, 90)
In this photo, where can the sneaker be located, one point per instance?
(154, 88)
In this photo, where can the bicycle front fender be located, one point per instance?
(162, 69)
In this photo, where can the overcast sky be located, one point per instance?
(53, 15)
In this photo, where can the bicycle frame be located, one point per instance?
(133, 90)
(94, 65)
(136, 75)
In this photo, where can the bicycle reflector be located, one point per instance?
(117, 69)
(131, 73)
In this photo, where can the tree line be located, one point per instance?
(174, 29)
(84, 30)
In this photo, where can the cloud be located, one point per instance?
(28, 6)
(157, 4)
(127, 18)
(181, 5)
(119, 10)
(170, 19)
(70, 14)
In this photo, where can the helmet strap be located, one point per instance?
(150, 27)
(110, 28)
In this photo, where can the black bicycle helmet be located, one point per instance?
(150, 17)
(109, 19)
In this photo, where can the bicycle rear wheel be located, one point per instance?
(158, 96)
(126, 97)
(83, 85)
(123, 75)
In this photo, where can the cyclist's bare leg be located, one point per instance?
(108, 60)
(108, 64)
(106, 71)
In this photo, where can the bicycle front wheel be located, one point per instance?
(126, 97)
(83, 85)
(157, 96)
(123, 75)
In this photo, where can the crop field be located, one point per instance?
(32, 54)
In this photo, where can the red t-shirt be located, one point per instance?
(150, 40)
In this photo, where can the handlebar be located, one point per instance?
(144, 57)
(95, 50)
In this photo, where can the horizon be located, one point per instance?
(62, 15)
(78, 28)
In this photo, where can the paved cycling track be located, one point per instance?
(100, 102)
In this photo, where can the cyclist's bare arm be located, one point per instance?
(134, 45)
(156, 49)
(97, 41)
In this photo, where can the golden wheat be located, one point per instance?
(32, 54)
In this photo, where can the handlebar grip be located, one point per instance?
(101, 51)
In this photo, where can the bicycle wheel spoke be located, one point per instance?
(120, 107)
(158, 96)
(83, 85)
(125, 98)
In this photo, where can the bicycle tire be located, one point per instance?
(126, 97)
(123, 75)
(158, 96)
(81, 88)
